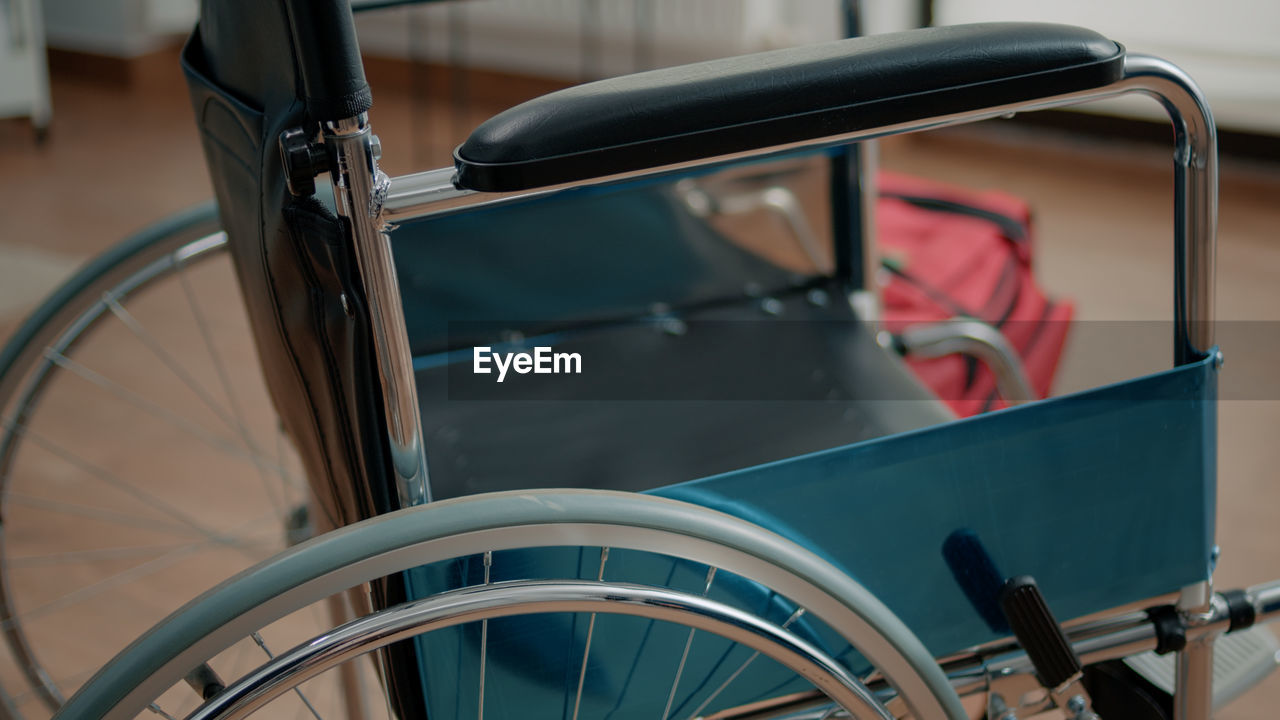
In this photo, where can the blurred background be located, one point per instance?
(97, 141)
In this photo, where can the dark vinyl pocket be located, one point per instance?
(231, 133)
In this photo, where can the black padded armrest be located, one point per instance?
(756, 101)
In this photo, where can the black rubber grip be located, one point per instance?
(752, 102)
(1038, 631)
(1240, 610)
(1171, 631)
(324, 40)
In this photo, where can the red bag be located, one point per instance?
(952, 252)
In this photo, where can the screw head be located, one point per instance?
(771, 306)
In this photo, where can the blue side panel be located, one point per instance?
(1106, 497)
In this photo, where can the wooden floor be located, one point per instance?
(120, 158)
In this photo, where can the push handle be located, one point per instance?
(775, 98)
(1039, 632)
(328, 56)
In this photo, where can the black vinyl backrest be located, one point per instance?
(274, 51)
(255, 68)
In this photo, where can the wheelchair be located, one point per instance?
(657, 546)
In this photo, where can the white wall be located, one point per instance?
(544, 36)
(119, 28)
(1230, 47)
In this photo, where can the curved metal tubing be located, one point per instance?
(979, 340)
(430, 193)
(33, 382)
(501, 600)
(342, 559)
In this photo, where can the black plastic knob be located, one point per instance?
(303, 160)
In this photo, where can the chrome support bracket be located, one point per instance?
(360, 190)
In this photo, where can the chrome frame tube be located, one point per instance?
(357, 185)
(1203, 614)
(1266, 601)
(1110, 637)
(1195, 179)
(867, 299)
(1193, 686)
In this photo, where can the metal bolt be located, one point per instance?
(673, 326)
(1218, 360)
(1076, 704)
(375, 147)
(771, 306)
(818, 297)
(884, 339)
(298, 526)
(998, 709)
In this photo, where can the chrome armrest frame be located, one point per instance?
(424, 194)
(975, 338)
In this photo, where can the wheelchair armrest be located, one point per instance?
(756, 101)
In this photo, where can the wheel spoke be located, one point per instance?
(26, 696)
(696, 713)
(87, 591)
(684, 656)
(112, 480)
(99, 554)
(135, 533)
(257, 638)
(154, 345)
(484, 639)
(228, 389)
(135, 573)
(158, 711)
(586, 651)
(109, 516)
(167, 416)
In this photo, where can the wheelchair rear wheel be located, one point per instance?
(545, 608)
(140, 459)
